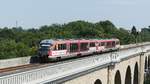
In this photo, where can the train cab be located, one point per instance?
(45, 48)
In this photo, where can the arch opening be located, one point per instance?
(135, 81)
(98, 81)
(145, 63)
(128, 76)
(117, 77)
(148, 62)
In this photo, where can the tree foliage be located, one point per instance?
(18, 42)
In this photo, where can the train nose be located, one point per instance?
(43, 56)
(43, 53)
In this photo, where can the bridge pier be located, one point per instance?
(128, 71)
(110, 75)
(141, 68)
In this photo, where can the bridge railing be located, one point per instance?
(56, 71)
(59, 71)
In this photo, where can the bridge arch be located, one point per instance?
(136, 75)
(98, 81)
(145, 62)
(148, 61)
(128, 76)
(117, 78)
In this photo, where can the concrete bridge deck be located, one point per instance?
(111, 68)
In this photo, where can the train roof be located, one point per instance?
(47, 41)
(51, 41)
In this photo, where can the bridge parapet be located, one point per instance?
(60, 71)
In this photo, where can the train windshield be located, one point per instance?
(47, 44)
(44, 48)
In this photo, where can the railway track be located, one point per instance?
(27, 67)
(22, 68)
(16, 67)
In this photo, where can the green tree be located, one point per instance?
(18, 42)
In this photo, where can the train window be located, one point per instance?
(83, 46)
(55, 48)
(73, 47)
(44, 48)
(45, 44)
(108, 44)
(61, 46)
(117, 42)
(64, 46)
(99, 44)
(102, 43)
(92, 44)
(113, 43)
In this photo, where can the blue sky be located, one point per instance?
(35, 13)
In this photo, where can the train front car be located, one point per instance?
(45, 50)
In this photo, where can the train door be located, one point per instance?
(74, 47)
(92, 47)
(103, 48)
(97, 46)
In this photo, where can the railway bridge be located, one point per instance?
(126, 66)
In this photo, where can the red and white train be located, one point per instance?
(60, 49)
